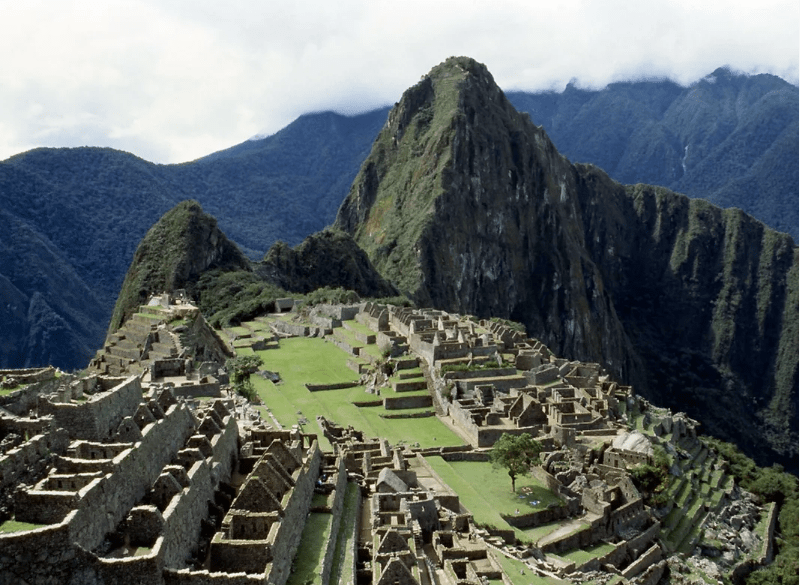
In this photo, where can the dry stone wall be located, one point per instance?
(291, 526)
(98, 417)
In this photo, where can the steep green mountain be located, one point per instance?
(730, 139)
(466, 205)
(185, 249)
(174, 253)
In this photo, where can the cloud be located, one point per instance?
(172, 81)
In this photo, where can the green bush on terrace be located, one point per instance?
(473, 367)
(771, 484)
(330, 295)
(229, 298)
(653, 480)
(516, 326)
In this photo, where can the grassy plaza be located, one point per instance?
(486, 493)
(306, 360)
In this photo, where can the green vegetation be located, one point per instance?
(331, 295)
(311, 550)
(653, 480)
(14, 526)
(516, 454)
(772, 484)
(230, 298)
(581, 556)
(240, 370)
(485, 493)
(520, 574)
(301, 361)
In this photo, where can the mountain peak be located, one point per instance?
(185, 242)
(430, 140)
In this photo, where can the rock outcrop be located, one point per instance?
(466, 205)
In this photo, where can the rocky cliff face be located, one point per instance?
(182, 245)
(466, 205)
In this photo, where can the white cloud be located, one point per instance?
(174, 80)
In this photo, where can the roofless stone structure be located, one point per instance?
(160, 475)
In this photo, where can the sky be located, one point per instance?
(171, 81)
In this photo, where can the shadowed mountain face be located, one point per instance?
(466, 205)
(326, 259)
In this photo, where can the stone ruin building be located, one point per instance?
(148, 470)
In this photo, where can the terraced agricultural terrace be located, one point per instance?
(363, 457)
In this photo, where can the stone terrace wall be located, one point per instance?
(537, 518)
(184, 513)
(403, 402)
(336, 509)
(142, 570)
(100, 415)
(22, 458)
(22, 400)
(291, 526)
(104, 507)
(205, 389)
(188, 577)
(41, 555)
(291, 328)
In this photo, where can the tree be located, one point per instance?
(516, 454)
(240, 369)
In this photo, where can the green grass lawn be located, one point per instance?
(303, 360)
(580, 556)
(486, 493)
(308, 560)
(514, 569)
(237, 331)
(350, 338)
(354, 325)
(14, 526)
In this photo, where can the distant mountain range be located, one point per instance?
(71, 219)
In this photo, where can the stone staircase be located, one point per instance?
(134, 346)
